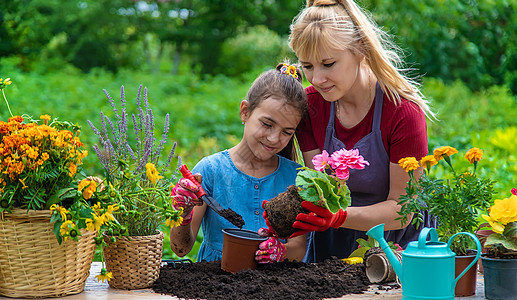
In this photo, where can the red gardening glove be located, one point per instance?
(319, 219)
(270, 250)
(264, 215)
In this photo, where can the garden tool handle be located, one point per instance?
(478, 254)
(187, 174)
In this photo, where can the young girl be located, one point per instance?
(359, 99)
(259, 168)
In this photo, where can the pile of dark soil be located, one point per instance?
(287, 280)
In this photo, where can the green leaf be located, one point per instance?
(57, 227)
(497, 238)
(359, 252)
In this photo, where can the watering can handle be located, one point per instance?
(422, 238)
(478, 255)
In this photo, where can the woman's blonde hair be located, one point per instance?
(343, 25)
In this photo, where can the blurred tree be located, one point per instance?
(470, 40)
(86, 33)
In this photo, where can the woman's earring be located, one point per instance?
(242, 122)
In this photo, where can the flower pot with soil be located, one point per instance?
(466, 285)
(324, 186)
(500, 260)
(239, 246)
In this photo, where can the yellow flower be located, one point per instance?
(63, 211)
(496, 227)
(104, 275)
(65, 227)
(473, 155)
(428, 161)
(152, 173)
(445, 150)
(95, 223)
(45, 117)
(23, 184)
(408, 163)
(108, 215)
(172, 223)
(88, 192)
(505, 210)
(97, 208)
(73, 169)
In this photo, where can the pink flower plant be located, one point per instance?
(329, 190)
(340, 162)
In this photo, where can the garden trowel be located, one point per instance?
(228, 214)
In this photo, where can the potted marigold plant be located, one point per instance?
(130, 156)
(500, 260)
(456, 199)
(41, 208)
(328, 190)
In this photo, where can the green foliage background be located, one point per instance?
(198, 58)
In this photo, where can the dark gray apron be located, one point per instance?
(368, 186)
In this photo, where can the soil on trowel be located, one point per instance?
(232, 217)
(282, 211)
(286, 280)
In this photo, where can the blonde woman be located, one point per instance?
(359, 99)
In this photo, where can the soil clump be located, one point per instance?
(282, 211)
(287, 280)
(232, 217)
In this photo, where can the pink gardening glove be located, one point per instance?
(184, 196)
(270, 250)
(319, 219)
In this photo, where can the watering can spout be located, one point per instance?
(377, 232)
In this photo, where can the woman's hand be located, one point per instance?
(319, 219)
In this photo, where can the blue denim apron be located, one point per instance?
(368, 186)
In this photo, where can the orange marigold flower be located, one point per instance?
(428, 161)
(91, 187)
(408, 163)
(16, 119)
(45, 117)
(73, 169)
(445, 150)
(473, 155)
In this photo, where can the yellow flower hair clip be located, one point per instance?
(289, 70)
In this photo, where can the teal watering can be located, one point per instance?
(427, 267)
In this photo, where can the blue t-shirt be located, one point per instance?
(242, 193)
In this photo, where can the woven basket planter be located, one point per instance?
(33, 264)
(135, 261)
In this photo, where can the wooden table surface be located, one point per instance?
(101, 291)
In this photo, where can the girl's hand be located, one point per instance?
(270, 250)
(184, 196)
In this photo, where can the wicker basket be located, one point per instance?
(135, 261)
(33, 264)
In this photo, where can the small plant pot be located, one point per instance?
(500, 276)
(466, 285)
(239, 246)
(379, 268)
(282, 211)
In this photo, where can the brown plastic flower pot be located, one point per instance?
(239, 246)
(466, 285)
